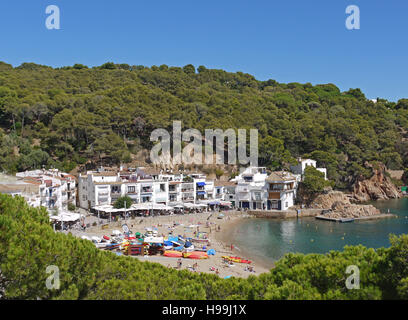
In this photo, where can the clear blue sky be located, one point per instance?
(286, 40)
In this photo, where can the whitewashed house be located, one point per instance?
(225, 191)
(303, 164)
(98, 188)
(56, 189)
(250, 192)
(281, 190)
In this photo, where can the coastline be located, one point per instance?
(226, 238)
(220, 240)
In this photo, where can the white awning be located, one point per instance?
(66, 217)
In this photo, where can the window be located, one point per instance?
(286, 204)
(131, 189)
(257, 196)
(162, 187)
(274, 205)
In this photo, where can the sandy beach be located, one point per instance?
(206, 222)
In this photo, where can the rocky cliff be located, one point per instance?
(327, 200)
(378, 187)
(340, 206)
(341, 210)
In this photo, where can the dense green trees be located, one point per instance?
(313, 181)
(28, 245)
(106, 113)
(123, 202)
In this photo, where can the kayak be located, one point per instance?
(112, 246)
(172, 253)
(237, 259)
(195, 255)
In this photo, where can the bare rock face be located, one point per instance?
(352, 211)
(327, 200)
(340, 206)
(378, 187)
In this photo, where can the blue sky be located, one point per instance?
(286, 40)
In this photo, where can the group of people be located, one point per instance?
(180, 264)
(250, 269)
(217, 272)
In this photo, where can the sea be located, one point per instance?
(268, 240)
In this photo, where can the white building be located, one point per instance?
(144, 185)
(225, 191)
(49, 188)
(303, 164)
(98, 188)
(250, 192)
(281, 190)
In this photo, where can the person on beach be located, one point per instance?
(179, 263)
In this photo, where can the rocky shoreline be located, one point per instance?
(339, 205)
(378, 187)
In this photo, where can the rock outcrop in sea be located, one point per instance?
(328, 199)
(341, 210)
(340, 206)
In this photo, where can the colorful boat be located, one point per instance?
(172, 253)
(112, 246)
(237, 259)
(195, 255)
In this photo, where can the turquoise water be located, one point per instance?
(269, 239)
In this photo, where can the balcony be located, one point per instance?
(274, 195)
(242, 189)
(115, 191)
(102, 200)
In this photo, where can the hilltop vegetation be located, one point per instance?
(67, 116)
(28, 245)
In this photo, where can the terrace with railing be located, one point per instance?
(147, 189)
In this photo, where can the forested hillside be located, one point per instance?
(28, 245)
(64, 117)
